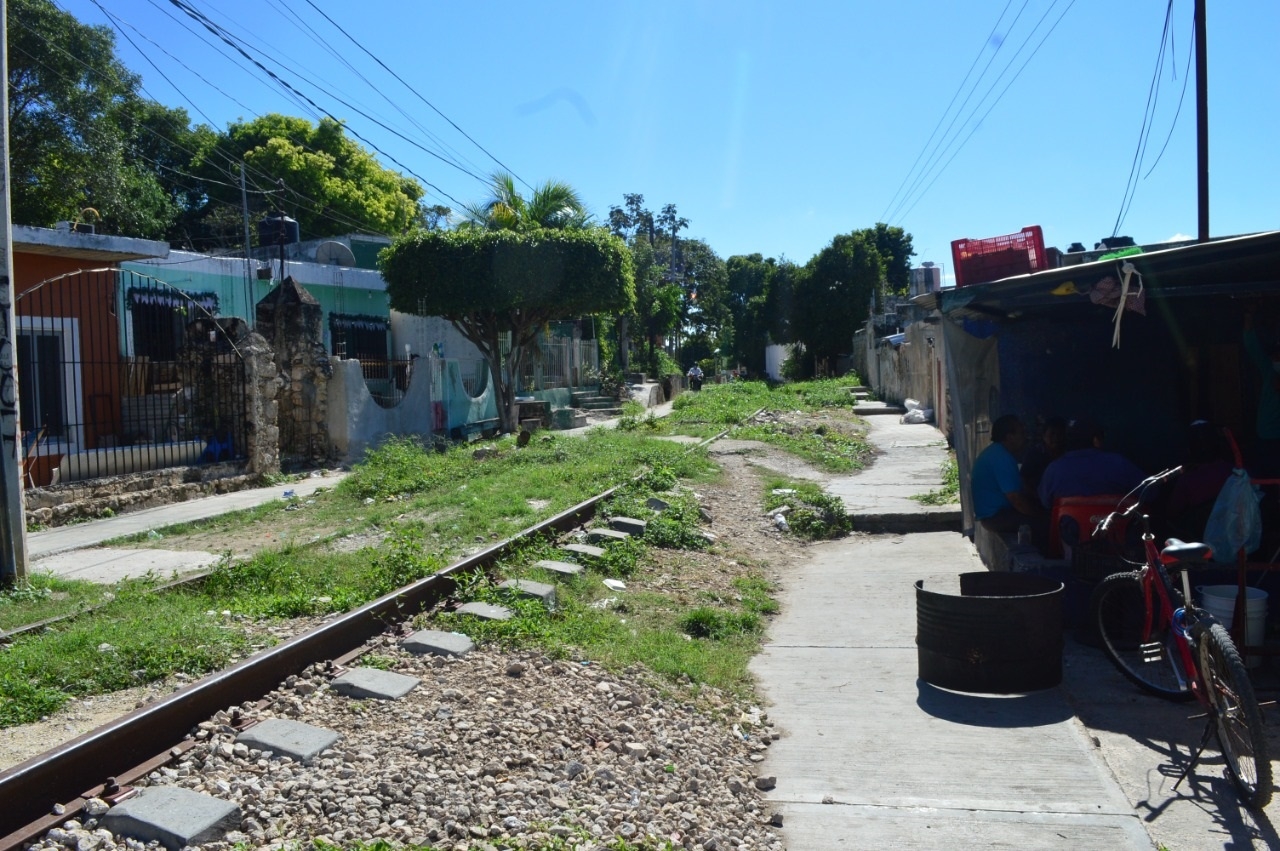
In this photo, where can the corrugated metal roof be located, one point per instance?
(1246, 265)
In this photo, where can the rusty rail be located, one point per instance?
(137, 743)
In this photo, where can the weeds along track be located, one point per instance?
(124, 750)
(52, 788)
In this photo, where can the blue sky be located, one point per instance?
(774, 126)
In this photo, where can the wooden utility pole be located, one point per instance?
(13, 527)
(1202, 123)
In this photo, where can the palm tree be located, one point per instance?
(554, 204)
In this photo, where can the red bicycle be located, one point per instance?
(1164, 643)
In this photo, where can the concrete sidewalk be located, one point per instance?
(73, 552)
(908, 462)
(873, 757)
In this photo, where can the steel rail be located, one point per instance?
(137, 743)
(127, 749)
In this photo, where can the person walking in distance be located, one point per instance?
(695, 377)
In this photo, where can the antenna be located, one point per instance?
(335, 254)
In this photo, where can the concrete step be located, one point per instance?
(606, 536)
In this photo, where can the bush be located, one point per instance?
(718, 624)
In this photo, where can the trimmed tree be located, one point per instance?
(491, 282)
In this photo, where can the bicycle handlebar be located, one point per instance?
(1159, 478)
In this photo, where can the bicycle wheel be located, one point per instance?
(1236, 714)
(1149, 658)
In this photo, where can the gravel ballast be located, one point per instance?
(494, 745)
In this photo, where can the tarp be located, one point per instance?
(973, 379)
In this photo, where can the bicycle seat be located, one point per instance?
(1176, 551)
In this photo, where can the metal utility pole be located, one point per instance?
(1202, 123)
(13, 526)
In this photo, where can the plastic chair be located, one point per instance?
(1087, 511)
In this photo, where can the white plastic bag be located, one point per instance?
(915, 416)
(1236, 521)
(911, 404)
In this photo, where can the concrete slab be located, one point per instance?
(172, 816)
(532, 590)
(630, 525)
(564, 568)
(606, 536)
(656, 504)
(300, 742)
(908, 462)
(110, 565)
(585, 551)
(363, 683)
(485, 611)
(436, 642)
(929, 768)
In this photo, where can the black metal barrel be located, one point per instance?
(1002, 635)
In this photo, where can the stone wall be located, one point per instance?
(289, 318)
(62, 504)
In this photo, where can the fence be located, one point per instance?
(387, 380)
(117, 374)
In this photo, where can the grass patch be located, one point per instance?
(48, 596)
(726, 407)
(814, 513)
(152, 636)
(949, 493)
(431, 505)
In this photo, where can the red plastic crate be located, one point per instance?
(977, 261)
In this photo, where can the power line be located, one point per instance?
(290, 66)
(303, 26)
(117, 20)
(959, 89)
(416, 93)
(222, 34)
(1186, 76)
(311, 204)
(998, 97)
(945, 145)
(1148, 116)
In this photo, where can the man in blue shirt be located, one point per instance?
(999, 502)
(1086, 469)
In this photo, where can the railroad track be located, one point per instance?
(54, 787)
(50, 789)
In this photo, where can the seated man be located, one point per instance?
(1040, 455)
(999, 502)
(1086, 469)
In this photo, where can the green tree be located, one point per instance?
(79, 132)
(894, 247)
(833, 294)
(521, 264)
(759, 303)
(328, 182)
(552, 205)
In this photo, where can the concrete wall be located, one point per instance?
(774, 356)
(420, 333)
(916, 369)
(357, 422)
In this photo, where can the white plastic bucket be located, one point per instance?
(1220, 601)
